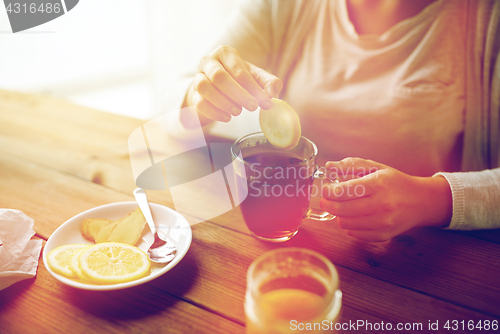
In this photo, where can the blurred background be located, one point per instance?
(120, 56)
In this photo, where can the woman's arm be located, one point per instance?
(476, 199)
(374, 202)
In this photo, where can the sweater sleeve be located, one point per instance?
(476, 199)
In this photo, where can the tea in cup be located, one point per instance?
(290, 289)
(278, 185)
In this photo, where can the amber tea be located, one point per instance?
(274, 186)
(278, 194)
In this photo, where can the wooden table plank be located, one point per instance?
(432, 261)
(209, 239)
(51, 197)
(208, 277)
(448, 266)
(45, 303)
(30, 128)
(51, 151)
(392, 262)
(80, 141)
(48, 196)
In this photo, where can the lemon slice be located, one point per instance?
(75, 263)
(113, 262)
(280, 124)
(59, 259)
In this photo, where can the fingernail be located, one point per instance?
(266, 104)
(235, 111)
(226, 118)
(252, 105)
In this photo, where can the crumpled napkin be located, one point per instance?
(18, 254)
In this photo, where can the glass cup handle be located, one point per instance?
(317, 214)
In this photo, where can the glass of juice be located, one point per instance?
(277, 185)
(292, 289)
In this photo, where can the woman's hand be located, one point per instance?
(225, 83)
(374, 202)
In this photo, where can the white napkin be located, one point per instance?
(18, 254)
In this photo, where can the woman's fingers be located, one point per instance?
(240, 72)
(352, 189)
(270, 83)
(209, 110)
(377, 202)
(227, 85)
(357, 223)
(205, 88)
(352, 168)
(358, 178)
(353, 208)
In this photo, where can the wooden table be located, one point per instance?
(58, 159)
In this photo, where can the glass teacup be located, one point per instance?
(290, 287)
(278, 183)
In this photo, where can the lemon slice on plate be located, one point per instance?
(75, 263)
(280, 124)
(112, 262)
(59, 259)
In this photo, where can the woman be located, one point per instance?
(414, 86)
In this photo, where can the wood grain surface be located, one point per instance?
(58, 159)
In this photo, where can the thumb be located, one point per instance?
(270, 83)
(353, 168)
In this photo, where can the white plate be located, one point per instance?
(178, 229)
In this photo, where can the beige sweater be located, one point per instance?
(277, 30)
(476, 195)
